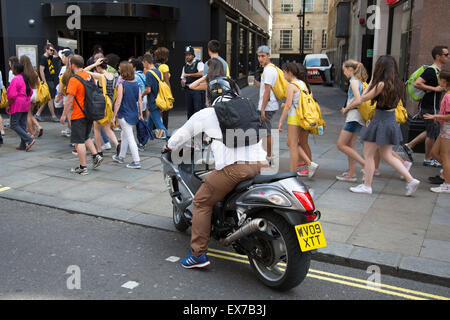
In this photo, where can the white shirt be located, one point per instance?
(269, 77)
(206, 121)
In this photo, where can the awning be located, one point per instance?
(108, 9)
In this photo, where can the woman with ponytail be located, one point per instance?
(354, 121)
(19, 93)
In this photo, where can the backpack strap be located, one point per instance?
(155, 75)
(83, 82)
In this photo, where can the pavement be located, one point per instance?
(404, 236)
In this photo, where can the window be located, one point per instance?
(308, 39)
(317, 62)
(324, 39)
(287, 6)
(285, 39)
(309, 6)
(325, 5)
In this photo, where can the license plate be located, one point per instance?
(310, 236)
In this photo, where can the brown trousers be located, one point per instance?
(215, 187)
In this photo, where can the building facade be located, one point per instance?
(406, 29)
(129, 28)
(287, 25)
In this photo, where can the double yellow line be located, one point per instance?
(340, 279)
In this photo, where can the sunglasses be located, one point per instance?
(445, 54)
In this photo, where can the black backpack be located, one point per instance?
(239, 114)
(94, 101)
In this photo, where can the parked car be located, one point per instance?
(319, 68)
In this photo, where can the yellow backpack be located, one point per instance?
(43, 94)
(280, 87)
(108, 107)
(308, 113)
(4, 100)
(401, 115)
(367, 109)
(164, 99)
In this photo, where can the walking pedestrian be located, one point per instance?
(354, 121)
(268, 104)
(161, 58)
(213, 52)
(81, 126)
(19, 93)
(193, 70)
(128, 110)
(297, 136)
(103, 132)
(64, 73)
(33, 126)
(441, 149)
(151, 90)
(386, 89)
(49, 70)
(2, 132)
(429, 82)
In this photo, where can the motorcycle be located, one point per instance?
(271, 218)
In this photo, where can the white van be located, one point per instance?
(318, 65)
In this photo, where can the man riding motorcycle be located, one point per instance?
(232, 166)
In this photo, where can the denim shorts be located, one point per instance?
(353, 127)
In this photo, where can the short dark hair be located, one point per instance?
(137, 64)
(214, 46)
(445, 74)
(438, 50)
(49, 45)
(148, 58)
(78, 61)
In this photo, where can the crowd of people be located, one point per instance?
(132, 87)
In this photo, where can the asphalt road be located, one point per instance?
(43, 251)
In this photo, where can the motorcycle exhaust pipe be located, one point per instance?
(253, 226)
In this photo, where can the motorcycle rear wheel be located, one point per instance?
(282, 265)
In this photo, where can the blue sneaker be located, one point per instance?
(134, 165)
(193, 262)
(118, 159)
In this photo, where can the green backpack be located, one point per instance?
(414, 93)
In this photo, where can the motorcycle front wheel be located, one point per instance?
(277, 259)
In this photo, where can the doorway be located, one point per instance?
(124, 44)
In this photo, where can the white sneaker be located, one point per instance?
(312, 168)
(361, 189)
(443, 188)
(412, 187)
(106, 146)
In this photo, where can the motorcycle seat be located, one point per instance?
(263, 178)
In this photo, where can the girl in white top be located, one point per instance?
(297, 137)
(354, 122)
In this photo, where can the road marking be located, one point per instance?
(130, 285)
(173, 259)
(331, 277)
(4, 188)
